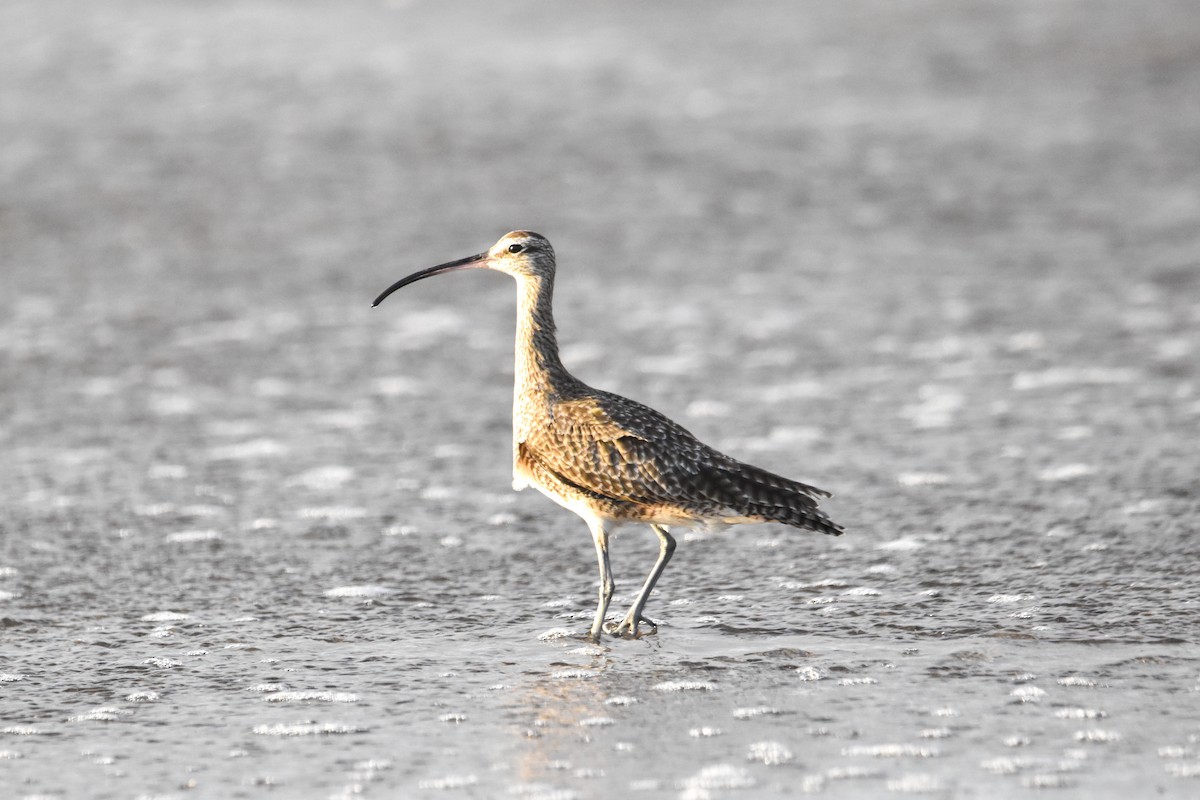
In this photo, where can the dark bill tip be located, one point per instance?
(462, 263)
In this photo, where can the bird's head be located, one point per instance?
(522, 254)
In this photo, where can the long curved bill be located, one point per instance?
(470, 262)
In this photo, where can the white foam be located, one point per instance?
(852, 772)
(154, 509)
(554, 634)
(891, 751)
(684, 686)
(1075, 680)
(596, 722)
(306, 729)
(770, 753)
(1028, 694)
(333, 513)
(1178, 770)
(1080, 713)
(204, 510)
(449, 782)
(1175, 751)
(756, 711)
(922, 479)
(188, 537)
(293, 696)
(1009, 598)
(359, 591)
(714, 778)
(102, 714)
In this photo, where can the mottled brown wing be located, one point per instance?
(620, 449)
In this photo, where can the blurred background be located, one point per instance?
(941, 258)
(198, 199)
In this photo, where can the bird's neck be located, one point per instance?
(538, 367)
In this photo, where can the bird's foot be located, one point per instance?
(629, 628)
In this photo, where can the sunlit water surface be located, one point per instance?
(885, 674)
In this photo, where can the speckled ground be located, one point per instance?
(939, 258)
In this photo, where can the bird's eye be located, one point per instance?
(516, 248)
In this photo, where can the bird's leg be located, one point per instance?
(666, 546)
(600, 536)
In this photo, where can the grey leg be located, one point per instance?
(600, 536)
(666, 546)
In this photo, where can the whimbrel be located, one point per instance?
(608, 458)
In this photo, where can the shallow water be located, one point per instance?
(938, 258)
(885, 674)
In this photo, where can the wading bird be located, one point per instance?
(608, 458)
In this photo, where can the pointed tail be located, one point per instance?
(764, 495)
